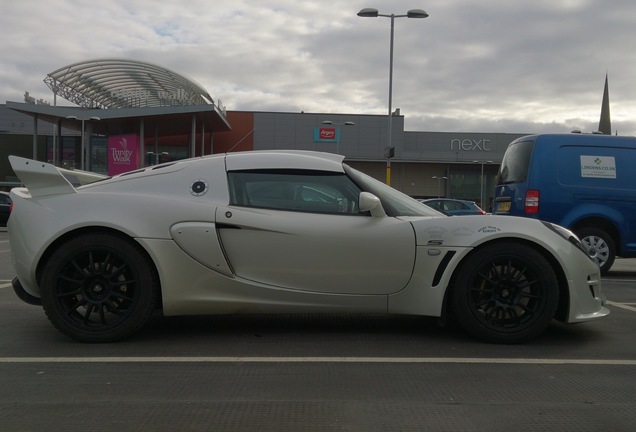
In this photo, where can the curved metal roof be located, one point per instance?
(120, 83)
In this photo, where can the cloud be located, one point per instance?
(487, 66)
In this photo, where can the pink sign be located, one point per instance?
(123, 153)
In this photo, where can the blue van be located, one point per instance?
(584, 182)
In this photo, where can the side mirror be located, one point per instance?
(371, 203)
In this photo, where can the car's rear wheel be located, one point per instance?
(99, 288)
(505, 293)
(600, 247)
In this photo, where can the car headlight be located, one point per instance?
(568, 235)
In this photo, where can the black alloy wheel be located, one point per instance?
(99, 288)
(505, 293)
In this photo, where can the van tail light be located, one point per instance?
(10, 208)
(532, 202)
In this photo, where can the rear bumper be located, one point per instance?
(23, 295)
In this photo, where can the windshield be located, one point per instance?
(515, 163)
(395, 203)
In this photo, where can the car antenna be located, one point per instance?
(240, 141)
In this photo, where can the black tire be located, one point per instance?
(505, 293)
(600, 247)
(99, 288)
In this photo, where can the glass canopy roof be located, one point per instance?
(120, 83)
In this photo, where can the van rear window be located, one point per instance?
(515, 163)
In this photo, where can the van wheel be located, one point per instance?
(599, 245)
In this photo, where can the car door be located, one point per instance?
(303, 231)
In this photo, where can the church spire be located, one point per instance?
(605, 124)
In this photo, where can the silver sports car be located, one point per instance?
(280, 232)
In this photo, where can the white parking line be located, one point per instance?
(622, 305)
(406, 360)
(5, 285)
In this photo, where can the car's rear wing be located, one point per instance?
(42, 178)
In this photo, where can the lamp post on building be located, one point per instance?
(157, 155)
(439, 184)
(347, 123)
(373, 13)
(83, 154)
(86, 151)
(481, 181)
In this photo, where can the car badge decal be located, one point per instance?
(489, 229)
(199, 187)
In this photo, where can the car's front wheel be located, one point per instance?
(505, 293)
(99, 287)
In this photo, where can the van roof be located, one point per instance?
(575, 138)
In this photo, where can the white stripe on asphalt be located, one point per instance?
(622, 306)
(452, 360)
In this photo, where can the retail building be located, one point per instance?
(127, 122)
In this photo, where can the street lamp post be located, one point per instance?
(373, 13)
(439, 184)
(347, 123)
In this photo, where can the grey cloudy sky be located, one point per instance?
(519, 66)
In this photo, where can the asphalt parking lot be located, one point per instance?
(316, 373)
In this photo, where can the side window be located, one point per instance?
(437, 205)
(294, 190)
(455, 205)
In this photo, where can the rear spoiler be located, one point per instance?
(42, 178)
